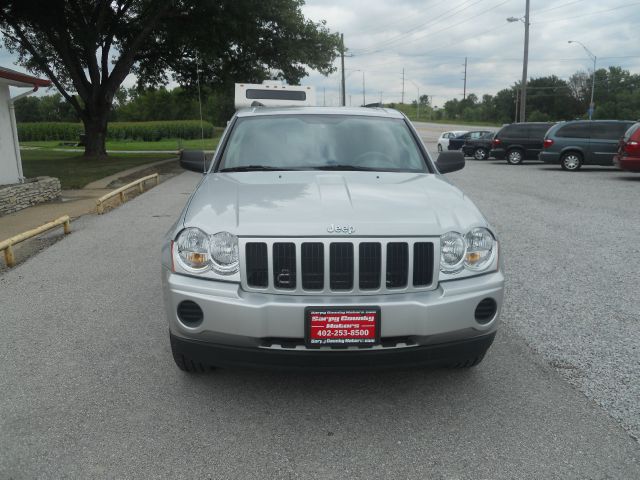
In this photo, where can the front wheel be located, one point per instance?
(480, 154)
(514, 157)
(571, 161)
(439, 148)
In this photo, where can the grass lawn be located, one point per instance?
(425, 116)
(75, 171)
(114, 145)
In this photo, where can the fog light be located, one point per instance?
(486, 310)
(190, 313)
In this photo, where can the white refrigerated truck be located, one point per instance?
(273, 94)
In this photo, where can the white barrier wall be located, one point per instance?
(8, 162)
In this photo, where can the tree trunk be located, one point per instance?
(95, 130)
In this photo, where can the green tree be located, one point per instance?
(552, 99)
(616, 94)
(49, 108)
(88, 47)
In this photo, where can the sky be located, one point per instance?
(430, 39)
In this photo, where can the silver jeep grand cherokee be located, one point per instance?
(327, 237)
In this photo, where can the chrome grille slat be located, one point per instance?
(311, 253)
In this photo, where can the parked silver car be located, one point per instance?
(327, 237)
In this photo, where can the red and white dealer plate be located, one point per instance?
(342, 326)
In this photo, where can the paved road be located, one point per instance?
(573, 257)
(89, 389)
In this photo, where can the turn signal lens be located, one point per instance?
(194, 258)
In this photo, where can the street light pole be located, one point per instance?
(593, 79)
(525, 61)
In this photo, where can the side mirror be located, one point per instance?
(450, 161)
(195, 160)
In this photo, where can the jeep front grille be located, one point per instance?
(337, 265)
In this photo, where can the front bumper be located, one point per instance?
(236, 321)
(444, 354)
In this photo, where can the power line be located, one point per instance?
(369, 28)
(458, 23)
(557, 6)
(587, 14)
(401, 36)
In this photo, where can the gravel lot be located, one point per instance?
(89, 389)
(573, 257)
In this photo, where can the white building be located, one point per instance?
(10, 161)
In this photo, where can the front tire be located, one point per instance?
(571, 161)
(515, 157)
(439, 148)
(480, 154)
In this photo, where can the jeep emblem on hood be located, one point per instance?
(341, 229)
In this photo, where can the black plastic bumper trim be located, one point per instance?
(437, 355)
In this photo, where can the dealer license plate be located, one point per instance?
(342, 326)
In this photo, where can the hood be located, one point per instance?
(309, 203)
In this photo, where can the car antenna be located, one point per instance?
(204, 162)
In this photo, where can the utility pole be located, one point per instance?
(343, 96)
(402, 101)
(523, 95)
(364, 102)
(464, 92)
(515, 120)
(324, 96)
(418, 101)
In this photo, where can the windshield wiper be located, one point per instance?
(344, 167)
(250, 168)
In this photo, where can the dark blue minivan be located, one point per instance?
(583, 142)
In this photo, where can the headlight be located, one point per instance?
(464, 255)
(192, 246)
(452, 252)
(480, 249)
(223, 247)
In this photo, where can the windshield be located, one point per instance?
(324, 142)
